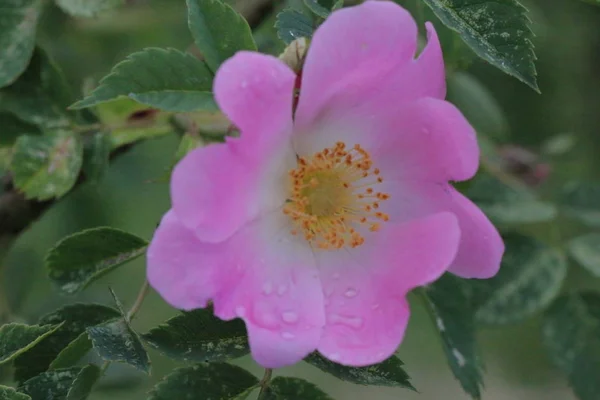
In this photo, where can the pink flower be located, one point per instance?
(313, 228)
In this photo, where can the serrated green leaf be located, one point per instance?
(199, 336)
(8, 393)
(218, 30)
(74, 318)
(318, 9)
(506, 205)
(88, 8)
(96, 153)
(13, 127)
(155, 77)
(497, 31)
(586, 251)
(285, 388)
(71, 354)
(46, 166)
(292, 24)
(386, 373)
(530, 277)
(51, 385)
(116, 341)
(79, 259)
(84, 382)
(582, 201)
(18, 24)
(178, 100)
(213, 381)
(571, 335)
(451, 309)
(16, 339)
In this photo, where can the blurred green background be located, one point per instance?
(568, 48)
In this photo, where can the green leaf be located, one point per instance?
(156, 78)
(46, 166)
(530, 277)
(83, 384)
(582, 201)
(116, 341)
(16, 339)
(71, 354)
(51, 385)
(96, 153)
(497, 31)
(218, 30)
(8, 393)
(386, 373)
(506, 205)
(79, 259)
(571, 335)
(292, 24)
(13, 127)
(18, 23)
(88, 8)
(188, 143)
(451, 310)
(586, 251)
(204, 381)
(199, 336)
(284, 388)
(74, 318)
(322, 8)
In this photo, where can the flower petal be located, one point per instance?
(365, 287)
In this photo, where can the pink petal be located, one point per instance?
(218, 188)
(360, 64)
(365, 288)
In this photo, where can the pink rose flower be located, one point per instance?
(313, 227)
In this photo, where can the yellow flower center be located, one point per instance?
(333, 201)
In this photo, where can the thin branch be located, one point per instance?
(138, 301)
(264, 382)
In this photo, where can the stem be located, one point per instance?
(264, 382)
(138, 301)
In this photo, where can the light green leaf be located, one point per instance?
(46, 166)
(74, 319)
(218, 30)
(497, 31)
(199, 336)
(386, 373)
(116, 341)
(16, 339)
(51, 385)
(18, 23)
(284, 388)
(582, 201)
(96, 153)
(88, 8)
(451, 310)
(8, 393)
(83, 384)
(79, 259)
(188, 143)
(13, 127)
(530, 277)
(292, 24)
(155, 77)
(586, 251)
(213, 381)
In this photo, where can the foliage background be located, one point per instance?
(131, 198)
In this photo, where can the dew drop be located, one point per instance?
(267, 288)
(287, 335)
(350, 293)
(281, 290)
(289, 316)
(334, 356)
(375, 306)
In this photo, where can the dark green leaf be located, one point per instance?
(200, 336)
(204, 381)
(18, 23)
(506, 205)
(46, 166)
(387, 373)
(451, 309)
(284, 388)
(16, 338)
(81, 258)
(497, 31)
(584, 377)
(317, 8)
(292, 24)
(88, 8)
(157, 78)
(582, 201)
(8, 393)
(218, 30)
(96, 152)
(530, 277)
(51, 385)
(586, 251)
(116, 341)
(74, 318)
(71, 354)
(83, 384)
(13, 127)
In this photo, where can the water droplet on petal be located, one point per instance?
(352, 322)
(281, 290)
(287, 335)
(289, 316)
(267, 288)
(335, 276)
(350, 293)
(334, 356)
(329, 291)
(375, 306)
